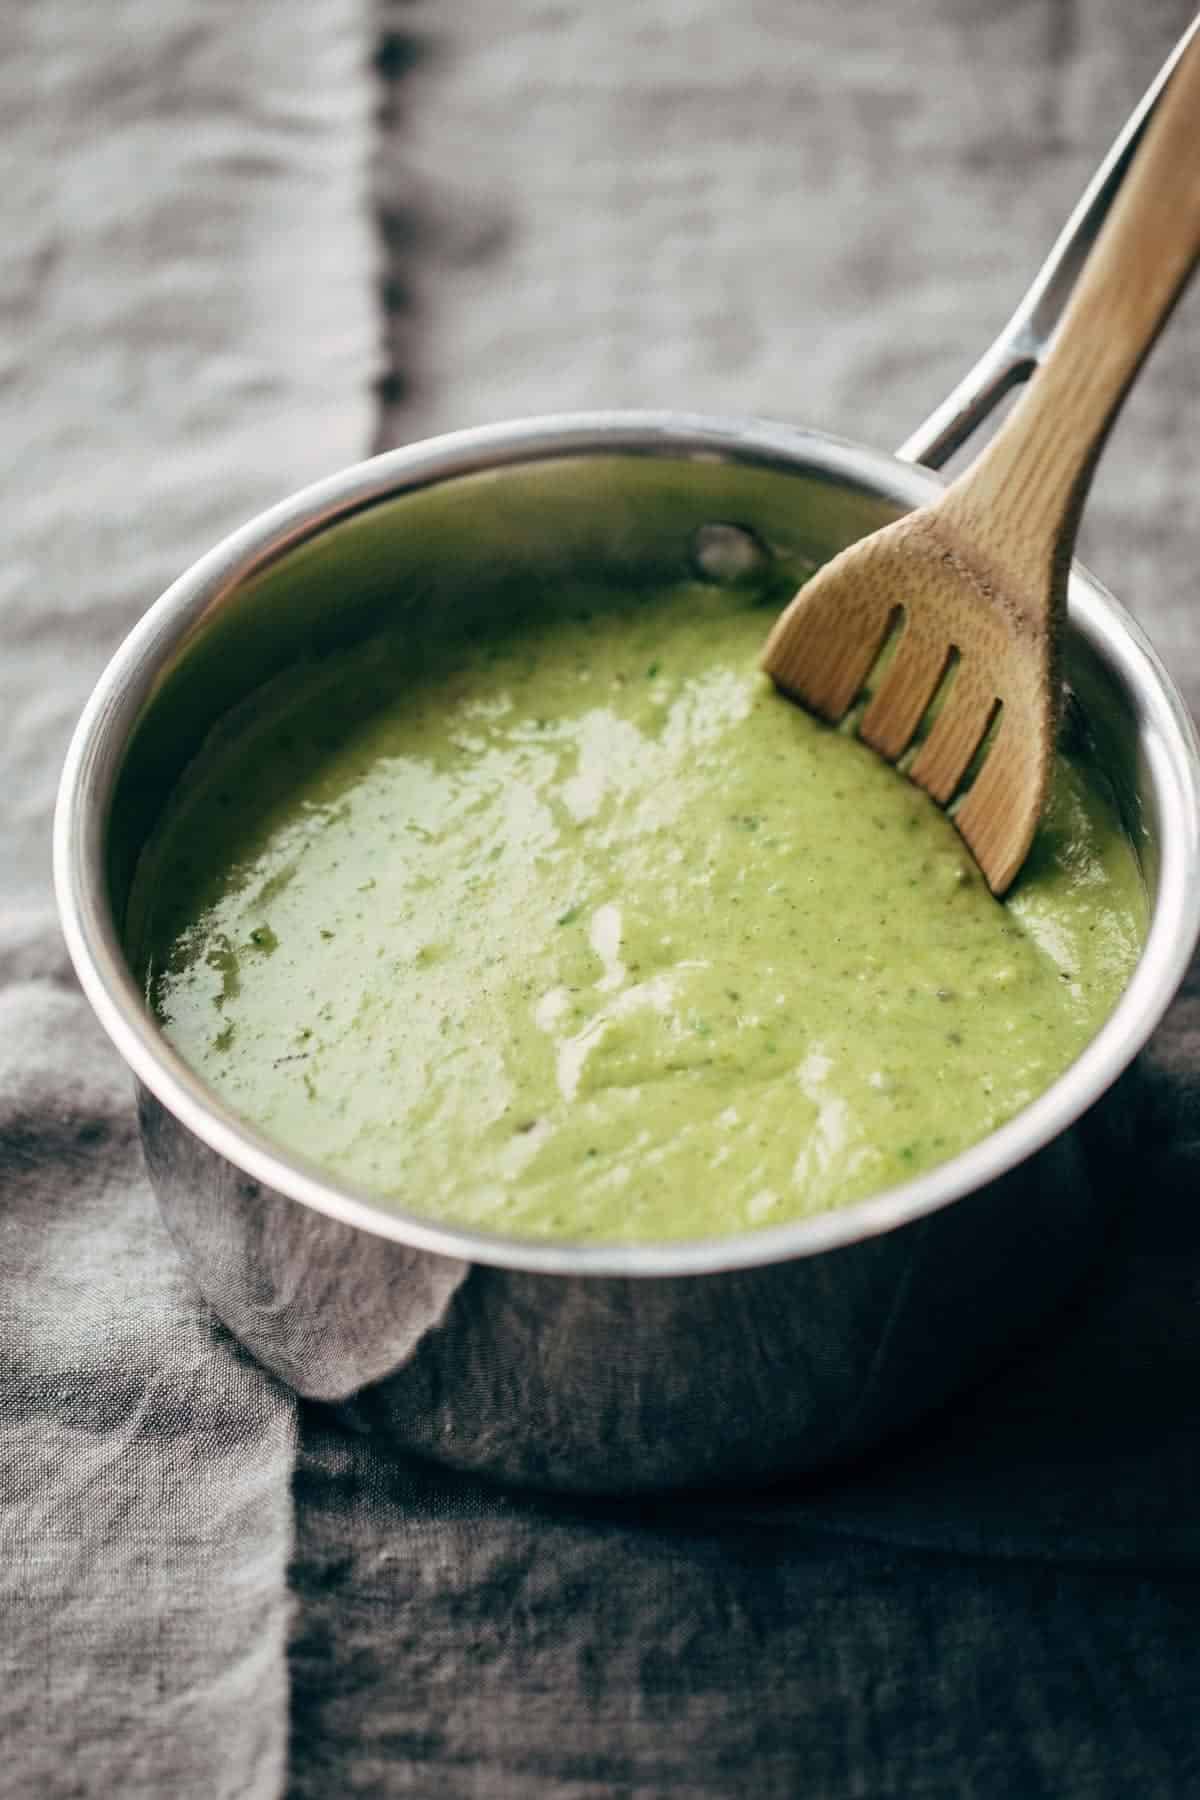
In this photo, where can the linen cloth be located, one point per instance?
(186, 333)
(786, 209)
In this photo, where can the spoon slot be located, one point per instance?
(959, 739)
(914, 679)
(832, 670)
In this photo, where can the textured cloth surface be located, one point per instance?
(186, 334)
(790, 209)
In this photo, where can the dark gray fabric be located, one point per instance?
(537, 1650)
(793, 209)
(143, 1462)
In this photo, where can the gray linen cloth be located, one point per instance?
(186, 334)
(790, 209)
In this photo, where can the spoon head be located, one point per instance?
(959, 681)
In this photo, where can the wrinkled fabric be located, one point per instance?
(185, 336)
(789, 209)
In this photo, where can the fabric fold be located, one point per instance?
(186, 335)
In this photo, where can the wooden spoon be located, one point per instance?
(973, 587)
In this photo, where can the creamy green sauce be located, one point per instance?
(584, 931)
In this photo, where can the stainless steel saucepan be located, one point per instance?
(610, 1367)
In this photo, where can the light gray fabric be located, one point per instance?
(185, 336)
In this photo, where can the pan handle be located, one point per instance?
(1024, 341)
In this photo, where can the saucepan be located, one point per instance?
(614, 1367)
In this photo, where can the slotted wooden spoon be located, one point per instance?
(973, 587)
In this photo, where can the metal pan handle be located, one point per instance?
(1024, 341)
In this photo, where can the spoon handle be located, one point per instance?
(1020, 501)
(1021, 346)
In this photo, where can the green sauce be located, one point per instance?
(584, 931)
